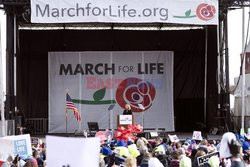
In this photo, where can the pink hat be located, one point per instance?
(33, 160)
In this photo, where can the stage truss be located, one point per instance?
(18, 17)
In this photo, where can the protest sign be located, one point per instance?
(72, 152)
(15, 145)
(34, 141)
(202, 160)
(197, 135)
(173, 138)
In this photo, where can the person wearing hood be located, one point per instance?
(213, 161)
(184, 160)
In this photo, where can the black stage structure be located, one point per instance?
(201, 67)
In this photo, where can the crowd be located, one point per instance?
(232, 150)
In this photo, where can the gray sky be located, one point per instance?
(235, 42)
(3, 44)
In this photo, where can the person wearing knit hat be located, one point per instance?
(133, 150)
(245, 146)
(122, 151)
(184, 160)
(188, 140)
(120, 143)
(106, 151)
(159, 148)
(31, 163)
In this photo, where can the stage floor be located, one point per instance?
(181, 136)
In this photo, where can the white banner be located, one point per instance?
(96, 80)
(202, 12)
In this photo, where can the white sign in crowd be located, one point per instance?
(68, 151)
(15, 145)
(197, 135)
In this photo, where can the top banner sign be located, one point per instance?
(200, 12)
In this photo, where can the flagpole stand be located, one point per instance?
(80, 132)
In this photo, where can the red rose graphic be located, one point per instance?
(134, 91)
(205, 12)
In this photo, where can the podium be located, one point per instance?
(125, 120)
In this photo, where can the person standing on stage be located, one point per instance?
(127, 110)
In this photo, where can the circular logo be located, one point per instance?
(205, 12)
(135, 92)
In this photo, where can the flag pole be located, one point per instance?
(66, 119)
(3, 125)
(80, 122)
(66, 111)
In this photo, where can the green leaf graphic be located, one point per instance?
(99, 94)
(188, 13)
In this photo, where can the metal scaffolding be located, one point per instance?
(18, 16)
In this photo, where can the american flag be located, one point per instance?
(71, 107)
